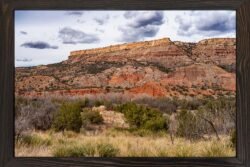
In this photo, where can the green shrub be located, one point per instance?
(156, 124)
(93, 117)
(68, 117)
(74, 151)
(143, 117)
(107, 150)
(34, 140)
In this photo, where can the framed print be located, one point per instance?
(111, 84)
(133, 92)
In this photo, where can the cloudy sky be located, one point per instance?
(45, 37)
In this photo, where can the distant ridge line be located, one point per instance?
(126, 46)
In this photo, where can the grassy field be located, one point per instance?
(87, 127)
(113, 143)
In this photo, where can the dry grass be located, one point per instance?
(127, 145)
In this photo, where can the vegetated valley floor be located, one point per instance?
(151, 98)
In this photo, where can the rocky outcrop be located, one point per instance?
(155, 68)
(220, 51)
(163, 52)
(122, 47)
(111, 118)
(201, 75)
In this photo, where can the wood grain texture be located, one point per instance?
(7, 82)
(126, 4)
(1, 82)
(243, 82)
(7, 85)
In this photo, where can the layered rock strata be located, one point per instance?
(159, 68)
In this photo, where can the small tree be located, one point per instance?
(68, 117)
(142, 117)
(220, 114)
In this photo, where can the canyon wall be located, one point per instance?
(155, 68)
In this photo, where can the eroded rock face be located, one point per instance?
(217, 51)
(162, 52)
(207, 75)
(155, 68)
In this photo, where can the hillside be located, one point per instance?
(156, 68)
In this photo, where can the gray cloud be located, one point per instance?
(23, 32)
(71, 36)
(38, 45)
(130, 14)
(131, 35)
(75, 13)
(206, 23)
(141, 25)
(154, 18)
(102, 20)
(24, 60)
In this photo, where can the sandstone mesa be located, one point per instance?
(156, 68)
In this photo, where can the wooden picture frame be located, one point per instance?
(7, 8)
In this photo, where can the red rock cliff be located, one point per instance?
(157, 68)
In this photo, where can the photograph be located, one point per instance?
(125, 83)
